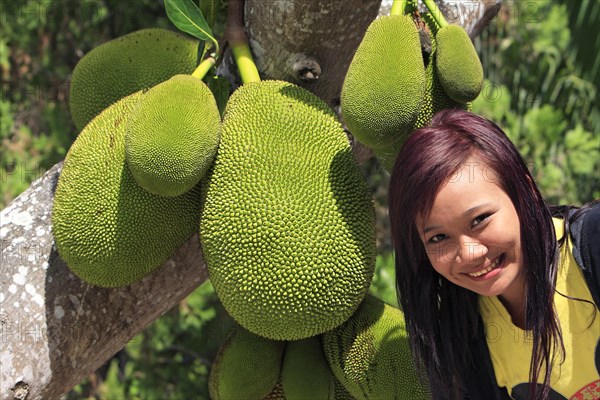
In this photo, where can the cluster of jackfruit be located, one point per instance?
(128, 193)
(286, 220)
(367, 357)
(389, 91)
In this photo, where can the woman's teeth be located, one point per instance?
(493, 265)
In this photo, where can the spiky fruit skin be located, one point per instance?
(370, 355)
(276, 393)
(436, 98)
(122, 66)
(340, 392)
(384, 87)
(288, 223)
(247, 366)
(172, 136)
(457, 64)
(305, 373)
(108, 230)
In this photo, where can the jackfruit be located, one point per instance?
(136, 61)
(288, 222)
(457, 64)
(370, 354)
(385, 83)
(305, 373)
(340, 392)
(172, 136)
(276, 393)
(436, 98)
(108, 230)
(247, 366)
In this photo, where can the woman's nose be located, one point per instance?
(469, 250)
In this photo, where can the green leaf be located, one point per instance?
(187, 17)
(210, 9)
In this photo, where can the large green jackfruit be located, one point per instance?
(109, 230)
(136, 61)
(288, 223)
(305, 373)
(457, 64)
(172, 136)
(370, 354)
(247, 366)
(385, 84)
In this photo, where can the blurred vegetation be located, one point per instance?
(542, 69)
(40, 43)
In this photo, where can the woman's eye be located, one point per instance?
(437, 238)
(479, 219)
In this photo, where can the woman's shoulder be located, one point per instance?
(584, 229)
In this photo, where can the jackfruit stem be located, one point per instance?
(203, 68)
(238, 41)
(245, 63)
(398, 7)
(436, 13)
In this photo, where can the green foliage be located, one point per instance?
(542, 98)
(40, 44)
(382, 285)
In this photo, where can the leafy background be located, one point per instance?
(541, 62)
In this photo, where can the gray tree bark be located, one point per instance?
(55, 329)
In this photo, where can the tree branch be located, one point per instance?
(56, 329)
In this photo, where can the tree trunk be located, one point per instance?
(56, 329)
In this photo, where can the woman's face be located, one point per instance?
(472, 234)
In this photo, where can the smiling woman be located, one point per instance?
(471, 236)
(491, 291)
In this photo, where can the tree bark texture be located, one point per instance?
(55, 329)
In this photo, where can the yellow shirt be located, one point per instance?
(578, 377)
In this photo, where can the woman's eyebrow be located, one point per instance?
(467, 212)
(475, 208)
(430, 228)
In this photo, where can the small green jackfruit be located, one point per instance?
(305, 373)
(122, 66)
(172, 136)
(385, 84)
(436, 98)
(288, 223)
(247, 366)
(108, 230)
(457, 64)
(370, 354)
